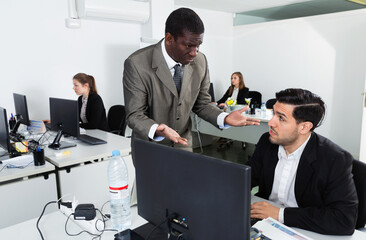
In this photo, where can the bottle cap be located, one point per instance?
(116, 153)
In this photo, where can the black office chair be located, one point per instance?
(270, 103)
(117, 119)
(211, 92)
(359, 177)
(256, 98)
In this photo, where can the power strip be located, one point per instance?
(89, 226)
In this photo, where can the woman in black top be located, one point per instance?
(91, 107)
(237, 90)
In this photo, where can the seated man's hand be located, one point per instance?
(167, 132)
(264, 210)
(236, 119)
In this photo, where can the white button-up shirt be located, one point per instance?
(283, 189)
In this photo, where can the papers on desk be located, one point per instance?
(19, 162)
(277, 231)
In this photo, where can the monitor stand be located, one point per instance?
(57, 145)
(141, 233)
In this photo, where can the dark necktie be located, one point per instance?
(178, 76)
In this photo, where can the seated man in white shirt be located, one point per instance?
(305, 173)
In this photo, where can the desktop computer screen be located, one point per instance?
(64, 120)
(191, 195)
(21, 108)
(21, 111)
(4, 131)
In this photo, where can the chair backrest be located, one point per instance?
(256, 98)
(359, 177)
(211, 92)
(117, 119)
(270, 103)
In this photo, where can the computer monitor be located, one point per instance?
(4, 132)
(64, 120)
(21, 111)
(4, 136)
(199, 197)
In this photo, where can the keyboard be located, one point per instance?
(91, 140)
(254, 221)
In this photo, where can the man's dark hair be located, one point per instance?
(183, 19)
(309, 107)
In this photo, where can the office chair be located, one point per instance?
(117, 119)
(359, 177)
(270, 103)
(211, 92)
(256, 98)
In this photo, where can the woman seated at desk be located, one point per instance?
(91, 107)
(237, 91)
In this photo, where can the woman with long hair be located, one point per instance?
(237, 90)
(91, 107)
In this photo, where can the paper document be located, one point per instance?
(278, 231)
(24, 160)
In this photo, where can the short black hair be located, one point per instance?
(309, 107)
(183, 19)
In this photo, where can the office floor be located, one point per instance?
(231, 152)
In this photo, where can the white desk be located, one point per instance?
(52, 226)
(357, 235)
(250, 134)
(83, 173)
(24, 192)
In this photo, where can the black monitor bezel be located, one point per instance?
(4, 131)
(65, 111)
(162, 170)
(21, 108)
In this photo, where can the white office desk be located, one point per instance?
(84, 152)
(52, 226)
(25, 191)
(250, 134)
(83, 173)
(357, 235)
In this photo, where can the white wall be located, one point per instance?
(39, 55)
(325, 54)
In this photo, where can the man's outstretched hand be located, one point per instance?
(236, 119)
(167, 132)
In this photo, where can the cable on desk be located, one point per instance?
(95, 236)
(44, 208)
(148, 236)
(4, 167)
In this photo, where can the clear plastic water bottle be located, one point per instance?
(119, 194)
(263, 110)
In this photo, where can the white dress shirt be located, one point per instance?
(83, 110)
(171, 63)
(234, 96)
(283, 189)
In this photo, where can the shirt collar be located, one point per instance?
(296, 154)
(171, 63)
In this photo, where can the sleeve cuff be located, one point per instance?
(221, 121)
(152, 133)
(281, 215)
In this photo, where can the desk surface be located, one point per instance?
(8, 174)
(52, 226)
(84, 152)
(249, 134)
(357, 235)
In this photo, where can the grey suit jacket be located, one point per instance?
(151, 95)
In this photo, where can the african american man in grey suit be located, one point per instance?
(157, 108)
